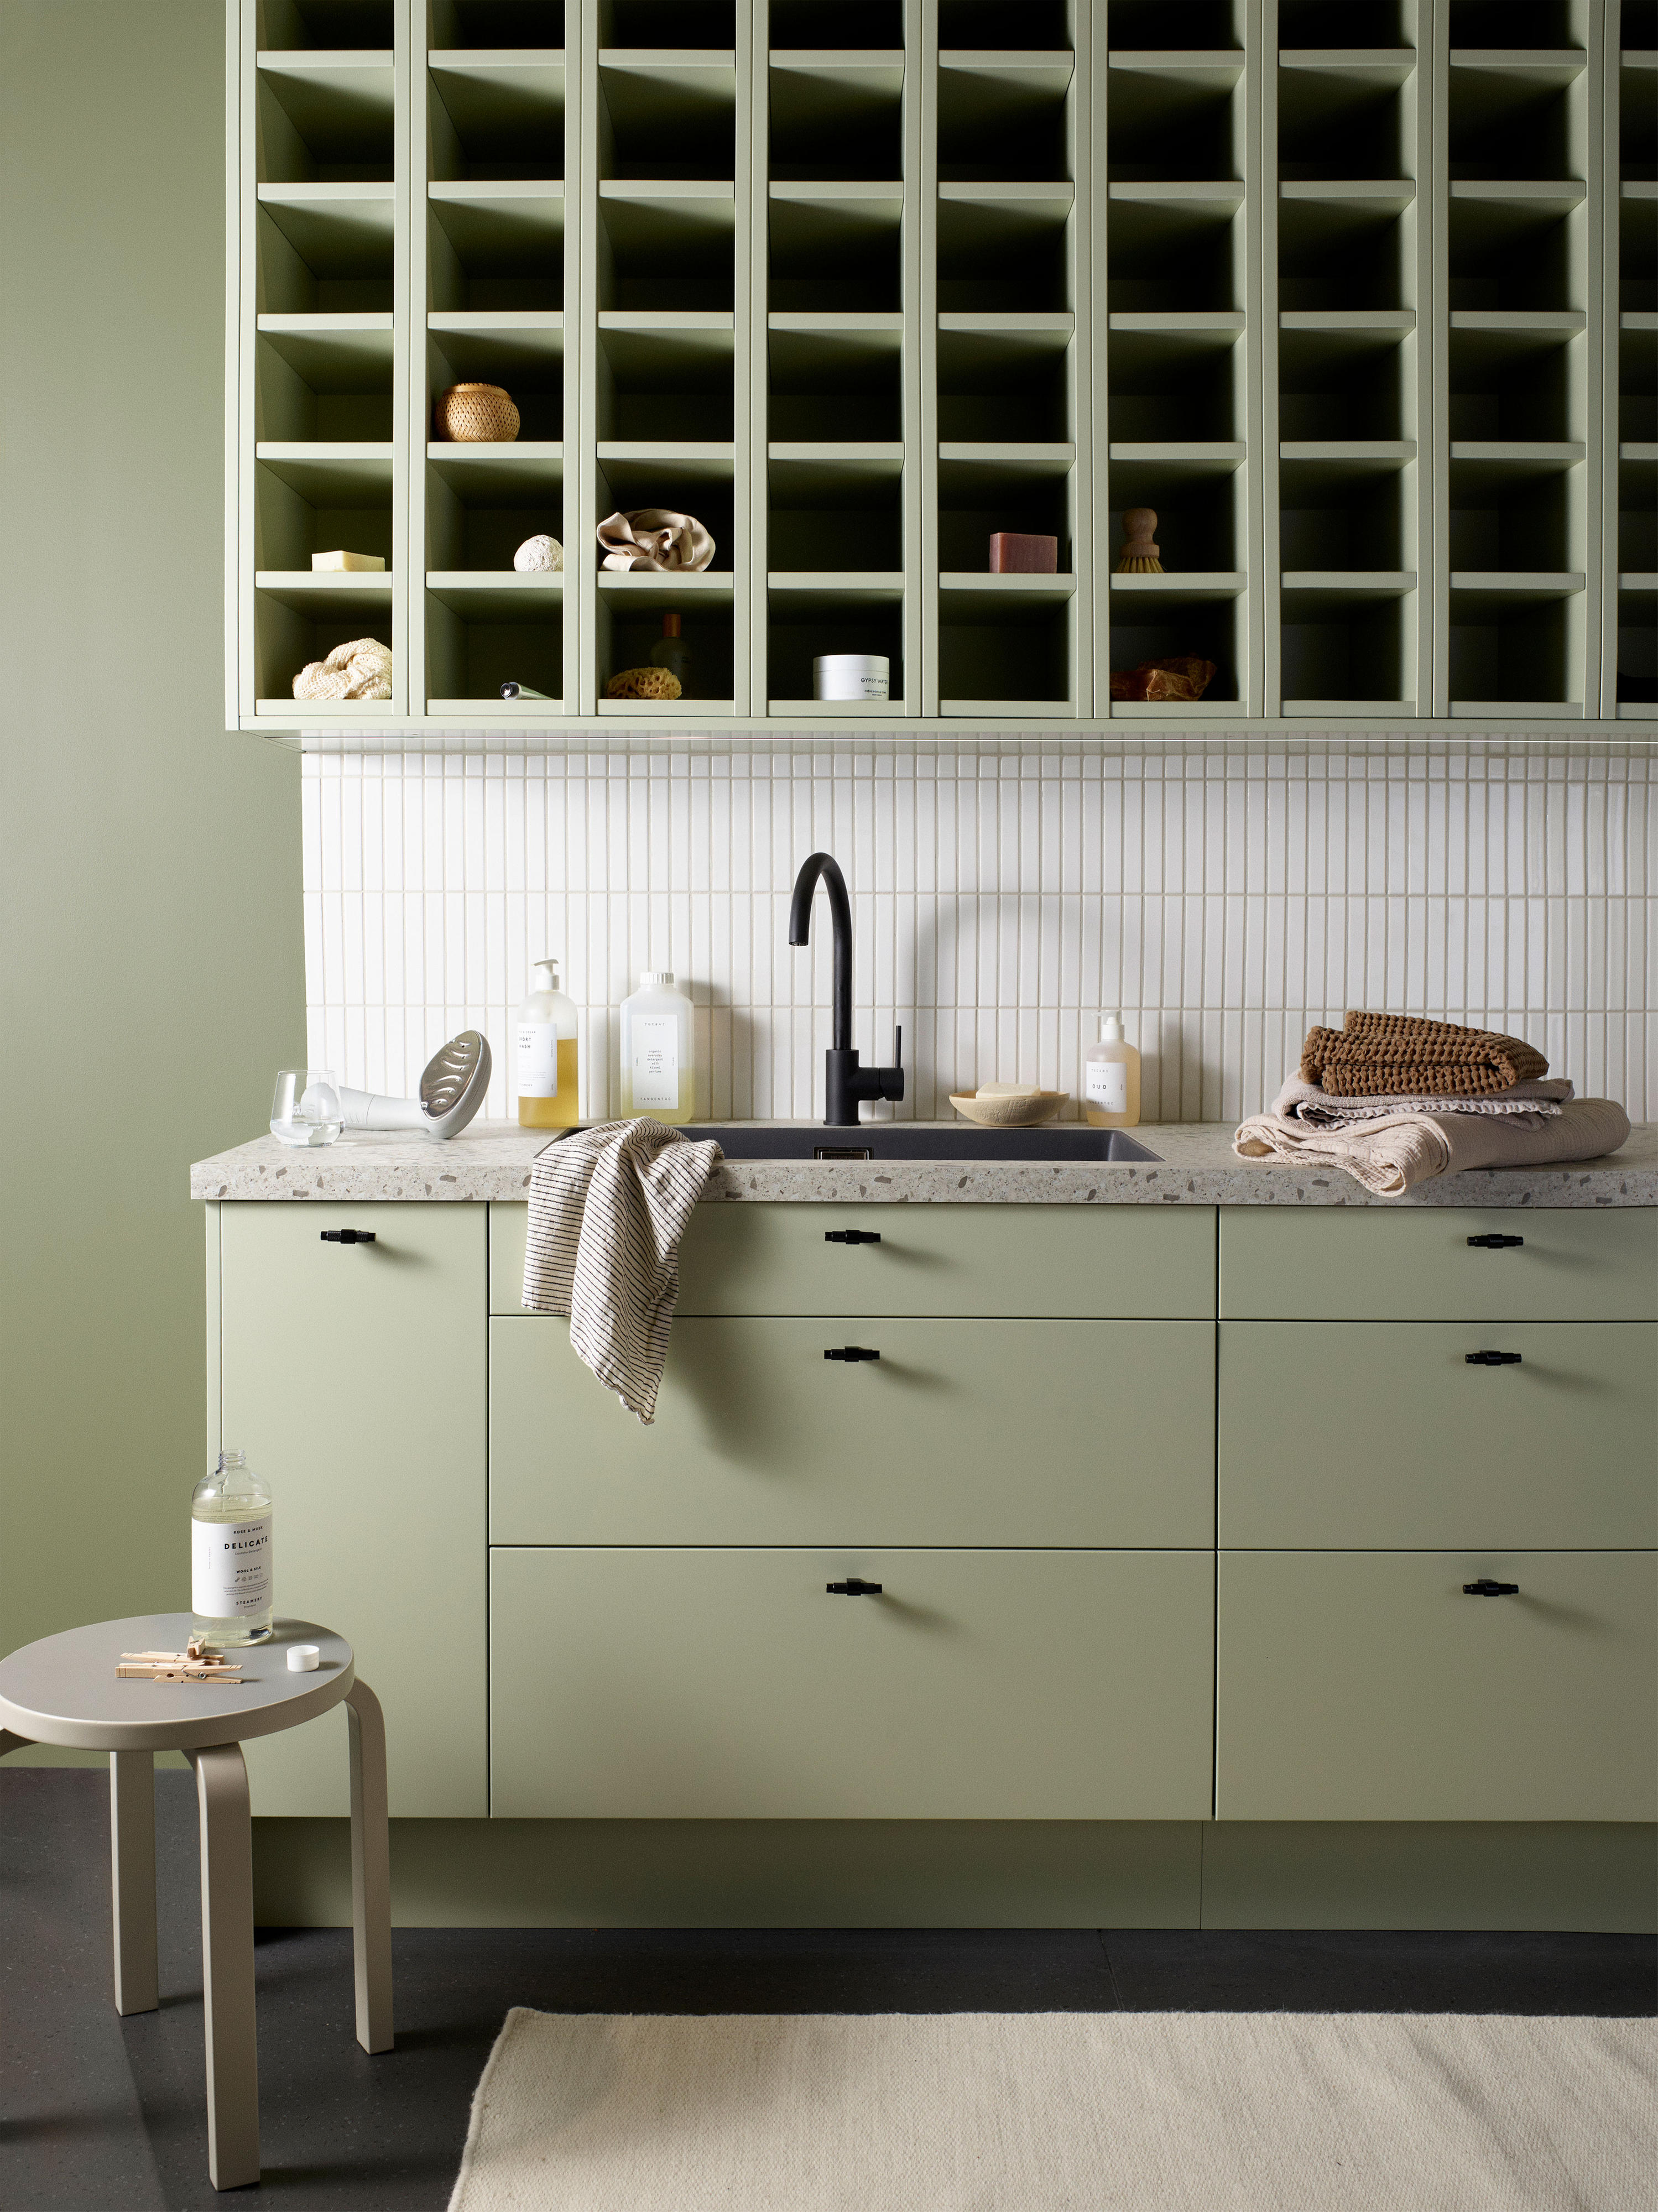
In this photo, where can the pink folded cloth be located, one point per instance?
(1392, 1154)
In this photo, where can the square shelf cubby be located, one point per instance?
(835, 380)
(836, 247)
(682, 479)
(1346, 248)
(1008, 645)
(1379, 24)
(496, 25)
(527, 363)
(1346, 384)
(1174, 248)
(1514, 24)
(326, 117)
(325, 249)
(315, 500)
(859, 612)
(1345, 647)
(1514, 650)
(1175, 26)
(667, 23)
(1010, 384)
(666, 246)
(1168, 618)
(1518, 114)
(359, 26)
(1638, 105)
(1198, 501)
(665, 379)
(1176, 385)
(629, 622)
(1518, 249)
(1005, 249)
(666, 114)
(486, 631)
(298, 620)
(323, 379)
(1520, 514)
(1347, 516)
(481, 502)
(1005, 116)
(983, 488)
(839, 512)
(496, 245)
(1035, 25)
(490, 116)
(1174, 114)
(1637, 675)
(862, 25)
(1637, 249)
(835, 113)
(1515, 385)
(1346, 117)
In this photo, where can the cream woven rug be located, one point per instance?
(1064, 2113)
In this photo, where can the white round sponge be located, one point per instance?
(537, 553)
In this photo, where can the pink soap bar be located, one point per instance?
(1013, 554)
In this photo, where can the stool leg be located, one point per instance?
(132, 1878)
(232, 2077)
(371, 1871)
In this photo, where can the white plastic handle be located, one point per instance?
(367, 1110)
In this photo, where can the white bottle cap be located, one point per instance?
(649, 978)
(303, 1658)
(1111, 1029)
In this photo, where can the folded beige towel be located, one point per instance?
(1391, 1155)
(607, 1206)
(1521, 1102)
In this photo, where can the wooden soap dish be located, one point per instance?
(1020, 1109)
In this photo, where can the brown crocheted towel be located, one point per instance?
(1377, 1055)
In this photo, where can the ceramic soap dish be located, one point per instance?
(1007, 1105)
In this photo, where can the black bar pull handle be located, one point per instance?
(347, 1236)
(1486, 1587)
(1495, 1243)
(852, 1353)
(853, 1586)
(852, 1237)
(1492, 1358)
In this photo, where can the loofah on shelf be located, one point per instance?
(643, 684)
(476, 414)
(654, 538)
(361, 669)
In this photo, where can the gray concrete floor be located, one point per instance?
(99, 2114)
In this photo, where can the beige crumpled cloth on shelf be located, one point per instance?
(607, 1206)
(1524, 1103)
(361, 669)
(1390, 1156)
(654, 538)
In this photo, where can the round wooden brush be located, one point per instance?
(1140, 551)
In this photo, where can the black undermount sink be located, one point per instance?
(908, 1140)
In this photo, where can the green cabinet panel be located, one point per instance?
(1366, 1686)
(354, 1379)
(979, 1685)
(1361, 1263)
(961, 1432)
(1380, 1434)
(1089, 1261)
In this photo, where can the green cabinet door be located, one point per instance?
(354, 1379)
(977, 1685)
(961, 1432)
(1367, 1434)
(1369, 1686)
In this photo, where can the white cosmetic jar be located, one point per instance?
(852, 676)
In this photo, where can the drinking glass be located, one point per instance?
(306, 1109)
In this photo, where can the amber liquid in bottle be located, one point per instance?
(559, 1113)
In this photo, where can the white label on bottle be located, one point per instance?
(230, 1568)
(538, 1060)
(1108, 1085)
(656, 1060)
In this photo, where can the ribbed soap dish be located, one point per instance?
(1008, 1110)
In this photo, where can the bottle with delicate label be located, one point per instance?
(659, 1065)
(231, 1591)
(1111, 1079)
(544, 1056)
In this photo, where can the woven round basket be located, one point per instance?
(470, 414)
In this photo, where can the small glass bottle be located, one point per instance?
(671, 652)
(230, 1554)
(545, 1057)
(1111, 1079)
(659, 1053)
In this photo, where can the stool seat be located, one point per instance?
(65, 1688)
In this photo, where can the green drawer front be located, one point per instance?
(1361, 1263)
(1380, 1434)
(1364, 1686)
(1057, 1686)
(1090, 1261)
(962, 1432)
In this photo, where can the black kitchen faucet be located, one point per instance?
(844, 1082)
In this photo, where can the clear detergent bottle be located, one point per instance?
(659, 1067)
(231, 1593)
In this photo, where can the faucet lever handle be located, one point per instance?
(898, 1044)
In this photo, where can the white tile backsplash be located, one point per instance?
(1001, 900)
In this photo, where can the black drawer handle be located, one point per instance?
(1486, 1587)
(852, 1237)
(852, 1353)
(853, 1586)
(1495, 1243)
(1492, 1358)
(347, 1236)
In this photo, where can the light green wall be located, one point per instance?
(151, 974)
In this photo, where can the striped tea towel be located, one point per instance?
(607, 1206)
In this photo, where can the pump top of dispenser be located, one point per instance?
(1110, 1029)
(548, 969)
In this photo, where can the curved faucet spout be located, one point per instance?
(805, 884)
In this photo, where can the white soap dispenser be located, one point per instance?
(1111, 1079)
(658, 1057)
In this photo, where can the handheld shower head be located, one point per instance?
(452, 1085)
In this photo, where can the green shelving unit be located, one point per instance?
(1362, 300)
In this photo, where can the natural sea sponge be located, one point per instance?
(643, 684)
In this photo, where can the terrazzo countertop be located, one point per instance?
(1196, 1166)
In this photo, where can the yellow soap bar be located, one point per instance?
(342, 560)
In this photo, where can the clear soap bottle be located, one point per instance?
(659, 1056)
(545, 1056)
(231, 1590)
(1111, 1079)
